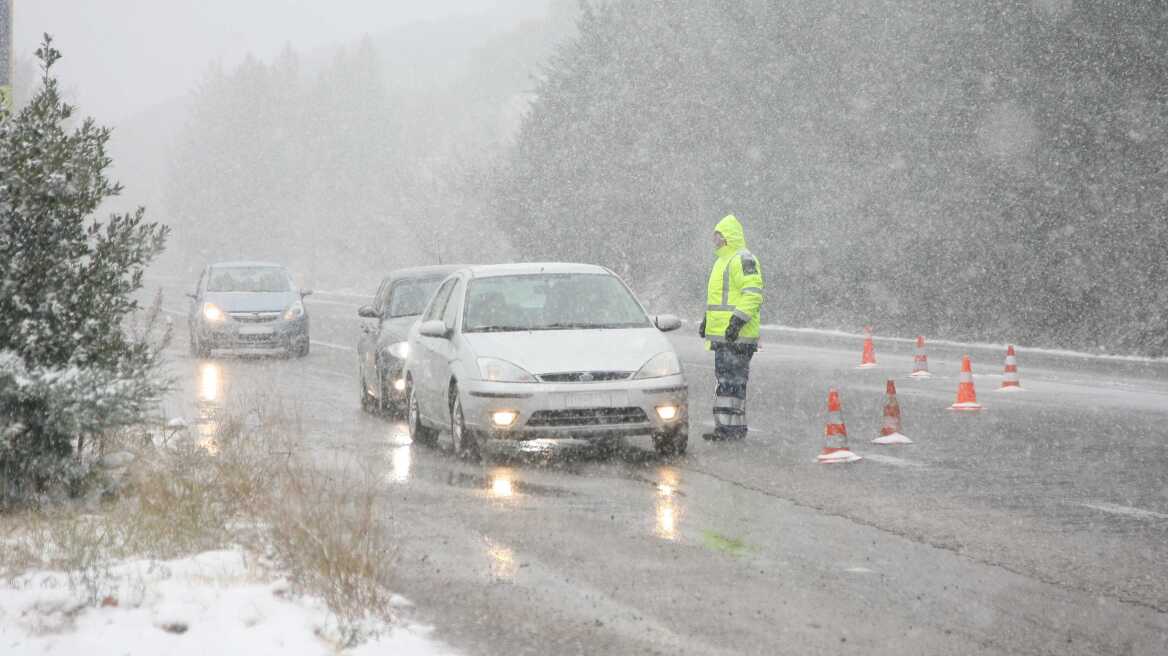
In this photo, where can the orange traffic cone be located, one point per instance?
(966, 396)
(920, 360)
(1010, 381)
(868, 359)
(835, 449)
(890, 431)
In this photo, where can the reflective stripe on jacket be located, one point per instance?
(735, 287)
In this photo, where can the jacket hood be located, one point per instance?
(731, 231)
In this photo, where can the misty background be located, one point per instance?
(992, 170)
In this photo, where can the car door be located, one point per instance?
(445, 350)
(196, 304)
(367, 342)
(430, 349)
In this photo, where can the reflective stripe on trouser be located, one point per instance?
(732, 369)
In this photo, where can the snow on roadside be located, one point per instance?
(214, 603)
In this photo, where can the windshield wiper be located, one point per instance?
(499, 329)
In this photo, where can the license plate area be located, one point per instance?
(606, 399)
(255, 330)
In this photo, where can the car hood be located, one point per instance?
(562, 351)
(252, 301)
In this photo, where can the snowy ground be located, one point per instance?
(217, 602)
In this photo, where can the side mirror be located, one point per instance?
(367, 312)
(193, 297)
(434, 328)
(305, 292)
(666, 322)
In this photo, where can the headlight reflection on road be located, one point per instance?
(210, 383)
(207, 431)
(501, 486)
(401, 459)
(666, 507)
(502, 560)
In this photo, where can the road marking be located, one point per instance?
(892, 460)
(1124, 510)
(174, 312)
(339, 347)
(326, 372)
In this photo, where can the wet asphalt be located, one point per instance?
(1037, 526)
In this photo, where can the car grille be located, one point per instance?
(587, 417)
(585, 376)
(254, 317)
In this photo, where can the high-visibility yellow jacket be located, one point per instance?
(735, 287)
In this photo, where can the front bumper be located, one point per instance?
(576, 411)
(268, 335)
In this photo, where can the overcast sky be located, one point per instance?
(123, 56)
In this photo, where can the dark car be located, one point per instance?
(250, 306)
(382, 348)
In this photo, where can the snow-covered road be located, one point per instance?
(1035, 526)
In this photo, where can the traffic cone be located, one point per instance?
(1010, 381)
(920, 360)
(835, 449)
(966, 396)
(868, 359)
(890, 432)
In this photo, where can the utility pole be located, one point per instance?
(7, 60)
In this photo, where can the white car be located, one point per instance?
(508, 354)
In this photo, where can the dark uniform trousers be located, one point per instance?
(732, 370)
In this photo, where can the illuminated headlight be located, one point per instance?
(660, 365)
(294, 311)
(501, 371)
(400, 384)
(399, 350)
(504, 418)
(211, 312)
(667, 412)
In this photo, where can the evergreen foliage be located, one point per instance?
(70, 365)
(986, 170)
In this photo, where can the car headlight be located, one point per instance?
(211, 312)
(660, 365)
(501, 371)
(399, 350)
(294, 311)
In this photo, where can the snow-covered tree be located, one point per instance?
(69, 366)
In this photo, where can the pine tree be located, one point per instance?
(68, 367)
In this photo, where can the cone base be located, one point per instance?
(866, 365)
(967, 405)
(894, 438)
(837, 456)
(1011, 388)
(920, 374)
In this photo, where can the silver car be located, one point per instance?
(513, 356)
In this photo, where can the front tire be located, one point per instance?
(466, 441)
(672, 443)
(419, 432)
(302, 349)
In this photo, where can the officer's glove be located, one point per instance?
(702, 329)
(734, 328)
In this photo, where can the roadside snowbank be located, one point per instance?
(213, 603)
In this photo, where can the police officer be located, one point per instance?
(731, 324)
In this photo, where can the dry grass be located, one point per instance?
(242, 483)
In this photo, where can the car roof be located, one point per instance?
(246, 263)
(529, 268)
(437, 270)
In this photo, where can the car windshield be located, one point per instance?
(577, 301)
(409, 297)
(249, 279)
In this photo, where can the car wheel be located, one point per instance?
(418, 432)
(466, 441)
(302, 349)
(198, 349)
(672, 443)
